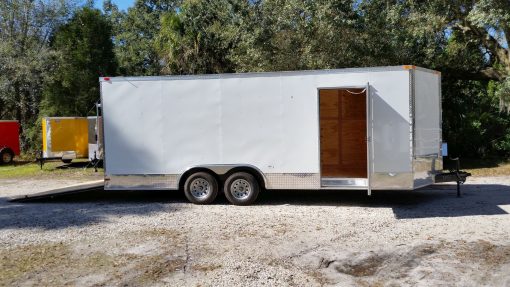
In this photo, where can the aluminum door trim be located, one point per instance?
(369, 138)
(319, 122)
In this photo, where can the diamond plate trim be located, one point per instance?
(146, 182)
(293, 180)
(402, 181)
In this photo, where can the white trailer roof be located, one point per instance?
(268, 74)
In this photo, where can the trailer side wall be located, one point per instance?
(9, 135)
(155, 128)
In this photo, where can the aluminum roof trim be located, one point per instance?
(260, 74)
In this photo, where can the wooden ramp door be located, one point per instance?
(343, 133)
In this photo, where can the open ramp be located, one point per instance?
(52, 193)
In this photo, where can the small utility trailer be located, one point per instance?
(64, 138)
(9, 141)
(370, 129)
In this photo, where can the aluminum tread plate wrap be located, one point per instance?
(170, 181)
(143, 182)
(293, 181)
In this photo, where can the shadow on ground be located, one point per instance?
(90, 207)
(433, 201)
(79, 164)
(98, 205)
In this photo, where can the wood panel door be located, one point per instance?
(343, 121)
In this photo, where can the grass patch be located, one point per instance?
(501, 170)
(24, 262)
(482, 167)
(52, 169)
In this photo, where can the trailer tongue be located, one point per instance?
(455, 175)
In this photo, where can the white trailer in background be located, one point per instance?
(95, 133)
(371, 128)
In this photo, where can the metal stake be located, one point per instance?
(457, 170)
(41, 161)
(95, 162)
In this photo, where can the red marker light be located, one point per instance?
(106, 78)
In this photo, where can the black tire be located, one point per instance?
(67, 161)
(201, 188)
(241, 188)
(6, 156)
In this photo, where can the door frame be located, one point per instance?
(369, 139)
(354, 184)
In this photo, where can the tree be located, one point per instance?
(135, 33)
(199, 38)
(482, 25)
(85, 51)
(237, 35)
(25, 58)
(291, 35)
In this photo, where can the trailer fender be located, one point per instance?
(184, 176)
(222, 171)
(251, 170)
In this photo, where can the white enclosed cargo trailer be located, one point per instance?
(371, 128)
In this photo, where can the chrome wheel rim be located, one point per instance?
(6, 157)
(240, 188)
(200, 188)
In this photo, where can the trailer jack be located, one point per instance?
(455, 175)
(94, 162)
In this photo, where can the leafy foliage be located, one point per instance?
(135, 34)
(25, 58)
(466, 40)
(472, 123)
(85, 53)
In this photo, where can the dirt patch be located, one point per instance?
(206, 267)
(420, 263)
(365, 267)
(485, 252)
(159, 232)
(149, 270)
(365, 264)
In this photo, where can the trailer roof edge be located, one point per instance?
(264, 74)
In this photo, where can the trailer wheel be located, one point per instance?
(6, 156)
(241, 188)
(67, 161)
(201, 188)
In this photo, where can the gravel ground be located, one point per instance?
(290, 238)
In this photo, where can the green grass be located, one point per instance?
(501, 169)
(54, 169)
(483, 167)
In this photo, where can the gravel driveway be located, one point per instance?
(290, 238)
